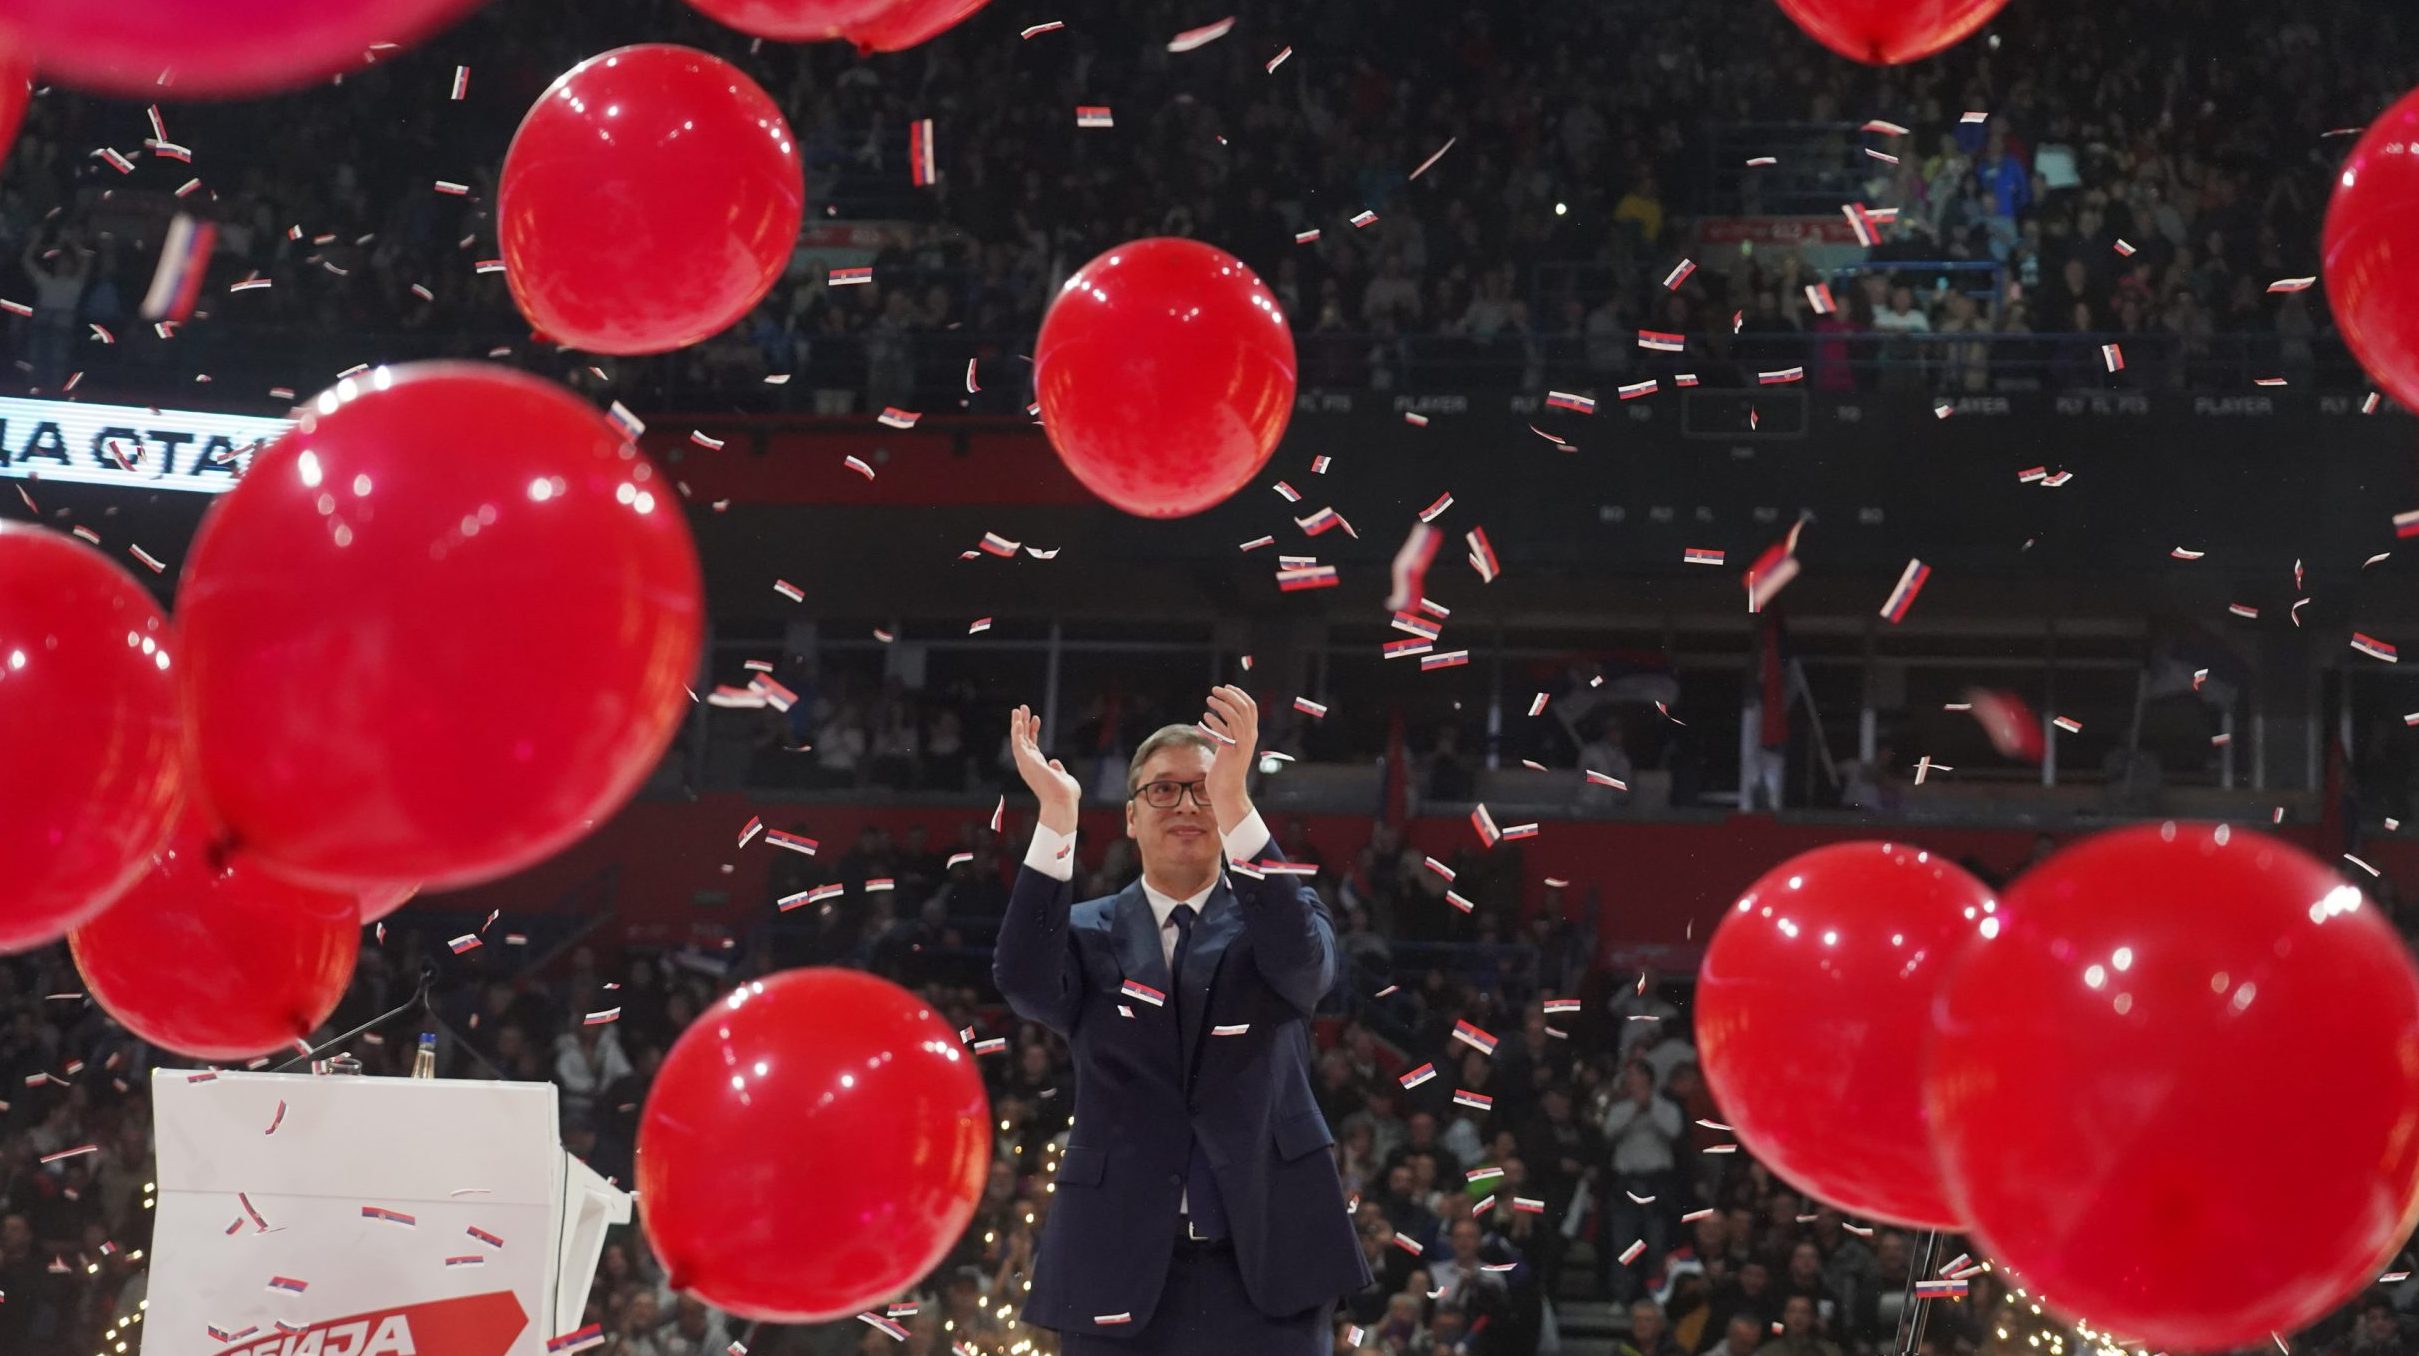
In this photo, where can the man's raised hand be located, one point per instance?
(1057, 790)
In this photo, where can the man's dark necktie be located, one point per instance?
(1201, 1189)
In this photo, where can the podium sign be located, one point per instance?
(350, 1216)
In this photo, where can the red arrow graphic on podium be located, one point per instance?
(473, 1325)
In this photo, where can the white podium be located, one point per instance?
(352, 1216)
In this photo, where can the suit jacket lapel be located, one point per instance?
(1220, 924)
(1137, 941)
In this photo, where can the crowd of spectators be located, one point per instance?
(1599, 1120)
(1585, 144)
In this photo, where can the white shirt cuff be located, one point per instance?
(1249, 839)
(1052, 853)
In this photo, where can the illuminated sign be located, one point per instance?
(129, 445)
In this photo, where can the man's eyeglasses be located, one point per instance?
(1168, 795)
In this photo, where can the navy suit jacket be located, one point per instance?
(1262, 956)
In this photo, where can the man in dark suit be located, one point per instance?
(1198, 1211)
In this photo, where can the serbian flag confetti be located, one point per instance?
(461, 83)
(1633, 1252)
(1431, 160)
(1477, 1101)
(1576, 404)
(1143, 993)
(1762, 161)
(1528, 1205)
(1442, 870)
(1887, 129)
(1450, 659)
(894, 417)
(1417, 1076)
(1309, 577)
(1364, 219)
(465, 942)
(1782, 377)
(580, 1340)
(2067, 723)
(2373, 647)
(176, 284)
(1861, 222)
(1460, 901)
(1554, 1005)
(1038, 29)
(2406, 523)
(1818, 296)
(2114, 356)
(1305, 237)
(2292, 284)
(2243, 610)
(923, 171)
(288, 1284)
(1902, 597)
(1203, 36)
(1306, 706)
(814, 895)
(75, 1152)
(377, 1212)
(1940, 1289)
(1445, 501)
(601, 1018)
(1636, 389)
(1482, 555)
(795, 842)
(1475, 1037)
(1094, 115)
(1698, 555)
(877, 1321)
(1662, 342)
(1679, 274)
(1477, 1175)
(1484, 823)
(484, 1237)
(466, 1260)
(278, 1119)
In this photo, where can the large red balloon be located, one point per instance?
(1812, 1007)
(1166, 375)
(651, 198)
(814, 1144)
(1887, 32)
(159, 49)
(873, 25)
(16, 87)
(438, 630)
(215, 958)
(2368, 247)
(2113, 1075)
(380, 901)
(89, 770)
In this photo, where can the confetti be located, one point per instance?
(794, 842)
(1364, 218)
(1143, 993)
(1475, 1037)
(1417, 1076)
(580, 1339)
(1094, 115)
(1312, 577)
(2373, 647)
(897, 1332)
(465, 942)
(1193, 38)
(1305, 237)
(75, 1152)
(894, 417)
(601, 1018)
(1910, 583)
(1476, 1101)
(699, 437)
(923, 171)
(1662, 342)
(483, 1236)
(1278, 60)
(461, 88)
(1783, 376)
(1633, 1252)
(1679, 274)
(1431, 160)
(1415, 420)
(1697, 555)
(1860, 221)
(1038, 29)
(288, 1284)
(1762, 161)
(849, 277)
(385, 1215)
(789, 590)
(1482, 555)
(453, 190)
(2292, 284)
(1882, 156)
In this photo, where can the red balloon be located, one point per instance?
(814, 1144)
(1166, 375)
(16, 87)
(651, 198)
(89, 762)
(379, 901)
(2008, 721)
(215, 958)
(1811, 1012)
(2365, 252)
(1889, 32)
(874, 25)
(158, 49)
(437, 631)
(2111, 1075)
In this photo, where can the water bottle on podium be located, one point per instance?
(424, 1062)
